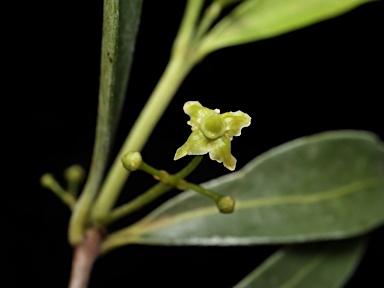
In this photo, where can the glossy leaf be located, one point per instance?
(316, 265)
(326, 186)
(254, 20)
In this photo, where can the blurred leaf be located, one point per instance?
(326, 186)
(254, 20)
(316, 265)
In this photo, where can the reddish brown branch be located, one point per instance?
(84, 256)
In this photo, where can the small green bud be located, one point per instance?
(132, 161)
(226, 204)
(47, 180)
(74, 173)
(213, 126)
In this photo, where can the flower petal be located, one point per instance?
(197, 112)
(197, 144)
(221, 152)
(236, 121)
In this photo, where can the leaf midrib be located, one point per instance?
(146, 225)
(304, 271)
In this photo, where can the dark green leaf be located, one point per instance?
(254, 20)
(321, 187)
(315, 265)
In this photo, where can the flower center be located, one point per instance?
(213, 126)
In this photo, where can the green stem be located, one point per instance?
(210, 15)
(150, 195)
(208, 193)
(189, 168)
(73, 188)
(168, 179)
(160, 175)
(140, 132)
(136, 204)
(49, 182)
(180, 64)
(224, 203)
(179, 182)
(186, 32)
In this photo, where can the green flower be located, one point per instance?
(212, 133)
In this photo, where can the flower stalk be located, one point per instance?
(167, 181)
(49, 182)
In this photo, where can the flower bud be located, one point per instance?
(132, 161)
(226, 204)
(74, 173)
(47, 180)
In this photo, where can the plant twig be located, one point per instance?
(84, 256)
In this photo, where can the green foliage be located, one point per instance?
(254, 20)
(326, 186)
(317, 265)
(323, 187)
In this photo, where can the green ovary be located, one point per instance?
(213, 126)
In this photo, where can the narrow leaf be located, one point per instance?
(326, 186)
(254, 20)
(316, 265)
(120, 25)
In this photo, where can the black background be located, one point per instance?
(325, 77)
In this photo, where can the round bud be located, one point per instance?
(213, 126)
(47, 180)
(74, 173)
(226, 204)
(132, 161)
